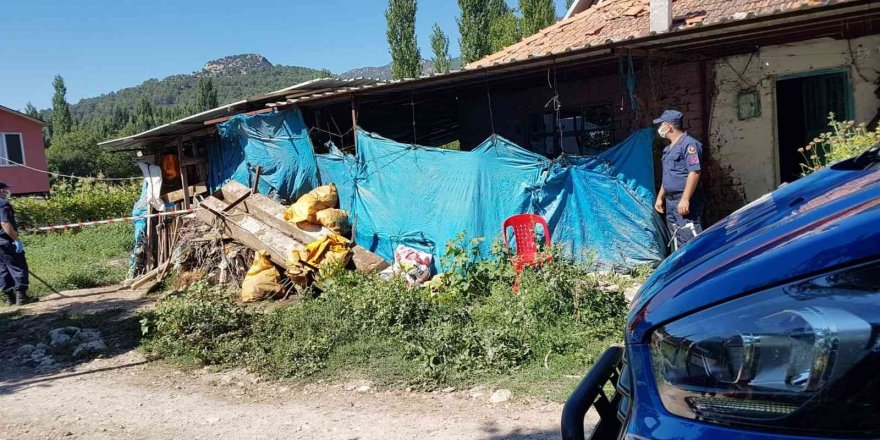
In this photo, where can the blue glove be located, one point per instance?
(19, 246)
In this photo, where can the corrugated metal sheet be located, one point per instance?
(196, 122)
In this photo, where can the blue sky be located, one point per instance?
(99, 46)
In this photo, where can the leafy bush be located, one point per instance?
(206, 324)
(73, 201)
(845, 140)
(470, 324)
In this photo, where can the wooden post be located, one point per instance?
(183, 180)
(354, 123)
(257, 172)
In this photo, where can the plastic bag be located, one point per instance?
(306, 208)
(415, 266)
(262, 280)
(328, 254)
(335, 220)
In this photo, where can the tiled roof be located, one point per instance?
(614, 20)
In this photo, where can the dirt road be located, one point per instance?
(123, 396)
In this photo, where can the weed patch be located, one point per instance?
(91, 257)
(469, 327)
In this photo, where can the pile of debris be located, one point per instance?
(238, 235)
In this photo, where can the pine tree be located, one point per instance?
(207, 95)
(61, 120)
(440, 45)
(145, 118)
(536, 15)
(406, 59)
(31, 111)
(474, 25)
(504, 25)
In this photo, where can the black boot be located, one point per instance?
(10, 297)
(21, 298)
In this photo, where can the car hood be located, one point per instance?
(828, 219)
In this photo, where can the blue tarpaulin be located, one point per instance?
(277, 142)
(598, 207)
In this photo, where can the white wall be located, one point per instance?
(749, 148)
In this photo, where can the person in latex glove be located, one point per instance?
(681, 196)
(13, 265)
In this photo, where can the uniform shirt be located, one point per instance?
(7, 215)
(679, 159)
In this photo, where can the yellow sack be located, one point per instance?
(329, 253)
(335, 220)
(262, 280)
(320, 198)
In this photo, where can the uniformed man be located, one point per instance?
(13, 266)
(681, 195)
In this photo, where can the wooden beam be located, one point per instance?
(176, 196)
(257, 172)
(354, 123)
(183, 179)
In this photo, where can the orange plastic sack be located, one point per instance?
(262, 280)
(329, 253)
(306, 208)
(335, 220)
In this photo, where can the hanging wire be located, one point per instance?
(108, 179)
(489, 99)
(555, 103)
(412, 105)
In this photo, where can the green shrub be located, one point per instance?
(469, 325)
(204, 323)
(73, 201)
(843, 141)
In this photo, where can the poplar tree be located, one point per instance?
(474, 27)
(145, 118)
(440, 45)
(207, 95)
(504, 25)
(406, 59)
(536, 15)
(31, 111)
(61, 120)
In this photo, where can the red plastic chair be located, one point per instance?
(527, 249)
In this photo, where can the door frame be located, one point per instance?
(849, 100)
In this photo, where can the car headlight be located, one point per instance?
(802, 357)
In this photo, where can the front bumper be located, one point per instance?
(633, 410)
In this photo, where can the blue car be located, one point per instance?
(767, 326)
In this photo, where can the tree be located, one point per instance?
(536, 15)
(474, 26)
(504, 25)
(440, 45)
(568, 4)
(61, 120)
(31, 111)
(207, 95)
(406, 59)
(77, 153)
(144, 118)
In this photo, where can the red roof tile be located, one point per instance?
(614, 20)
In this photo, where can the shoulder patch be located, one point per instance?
(693, 160)
(692, 149)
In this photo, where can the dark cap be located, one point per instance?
(669, 116)
(3, 185)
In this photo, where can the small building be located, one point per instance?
(756, 79)
(22, 153)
